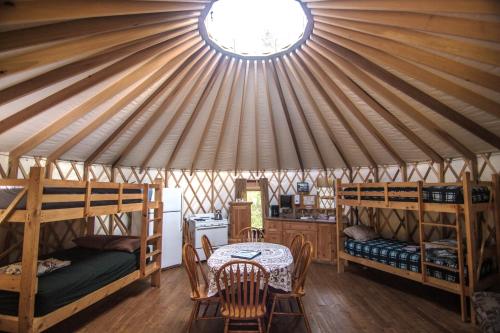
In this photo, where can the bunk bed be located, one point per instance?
(33, 304)
(477, 256)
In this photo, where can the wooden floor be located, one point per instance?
(360, 300)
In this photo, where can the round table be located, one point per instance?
(276, 259)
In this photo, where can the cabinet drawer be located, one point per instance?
(273, 226)
(301, 226)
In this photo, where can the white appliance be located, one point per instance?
(172, 227)
(215, 230)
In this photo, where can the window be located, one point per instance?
(254, 196)
(255, 27)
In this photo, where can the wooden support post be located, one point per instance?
(30, 250)
(469, 224)
(13, 166)
(144, 228)
(158, 229)
(49, 167)
(443, 232)
(339, 213)
(404, 176)
(496, 212)
(474, 169)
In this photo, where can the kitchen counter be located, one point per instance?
(291, 219)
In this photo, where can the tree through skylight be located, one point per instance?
(255, 27)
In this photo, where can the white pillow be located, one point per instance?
(44, 267)
(361, 232)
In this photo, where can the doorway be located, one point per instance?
(255, 197)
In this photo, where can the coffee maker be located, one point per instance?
(275, 211)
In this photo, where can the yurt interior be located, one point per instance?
(250, 166)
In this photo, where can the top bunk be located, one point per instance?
(60, 200)
(434, 197)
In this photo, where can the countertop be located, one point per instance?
(291, 219)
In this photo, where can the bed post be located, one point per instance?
(495, 179)
(158, 226)
(144, 228)
(30, 250)
(469, 220)
(339, 212)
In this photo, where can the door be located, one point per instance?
(171, 239)
(325, 234)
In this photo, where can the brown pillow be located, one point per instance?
(361, 232)
(95, 242)
(126, 244)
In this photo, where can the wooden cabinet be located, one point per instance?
(321, 235)
(240, 216)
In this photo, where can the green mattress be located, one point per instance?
(89, 270)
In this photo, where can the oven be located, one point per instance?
(215, 230)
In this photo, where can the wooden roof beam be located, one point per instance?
(290, 63)
(141, 109)
(101, 75)
(287, 114)
(230, 100)
(256, 116)
(399, 103)
(185, 77)
(240, 119)
(123, 102)
(375, 105)
(331, 103)
(420, 96)
(54, 10)
(302, 114)
(211, 116)
(96, 100)
(353, 109)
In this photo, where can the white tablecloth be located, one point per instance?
(276, 259)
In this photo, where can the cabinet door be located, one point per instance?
(310, 236)
(325, 235)
(273, 237)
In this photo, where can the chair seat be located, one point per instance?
(284, 294)
(203, 295)
(236, 312)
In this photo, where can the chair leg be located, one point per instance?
(193, 315)
(226, 325)
(302, 310)
(271, 315)
(259, 322)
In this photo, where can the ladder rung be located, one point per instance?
(152, 254)
(454, 226)
(426, 263)
(155, 219)
(153, 237)
(441, 246)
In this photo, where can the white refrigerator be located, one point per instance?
(172, 227)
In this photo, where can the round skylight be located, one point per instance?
(255, 28)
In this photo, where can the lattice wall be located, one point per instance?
(208, 190)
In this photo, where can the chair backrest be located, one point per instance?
(296, 246)
(242, 287)
(301, 266)
(194, 270)
(186, 235)
(251, 234)
(207, 246)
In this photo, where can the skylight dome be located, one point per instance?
(255, 28)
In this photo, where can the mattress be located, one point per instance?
(395, 253)
(8, 194)
(431, 194)
(89, 270)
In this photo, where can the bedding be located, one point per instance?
(44, 267)
(431, 194)
(406, 256)
(361, 232)
(89, 271)
(8, 194)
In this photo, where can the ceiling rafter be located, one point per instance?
(193, 71)
(419, 73)
(240, 117)
(417, 94)
(271, 116)
(256, 115)
(222, 62)
(402, 105)
(213, 109)
(136, 58)
(277, 82)
(124, 101)
(353, 109)
(144, 106)
(333, 107)
(301, 112)
(229, 104)
(315, 108)
(380, 109)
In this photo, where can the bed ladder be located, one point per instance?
(424, 264)
(150, 263)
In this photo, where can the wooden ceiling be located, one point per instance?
(134, 83)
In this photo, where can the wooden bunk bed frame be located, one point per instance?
(34, 216)
(468, 211)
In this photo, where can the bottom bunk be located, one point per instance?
(89, 271)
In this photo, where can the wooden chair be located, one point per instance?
(186, 235)
(296, 246)
(199, 284)
(243, 291)
(207, 246)
(298, 281)
(251, 234)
